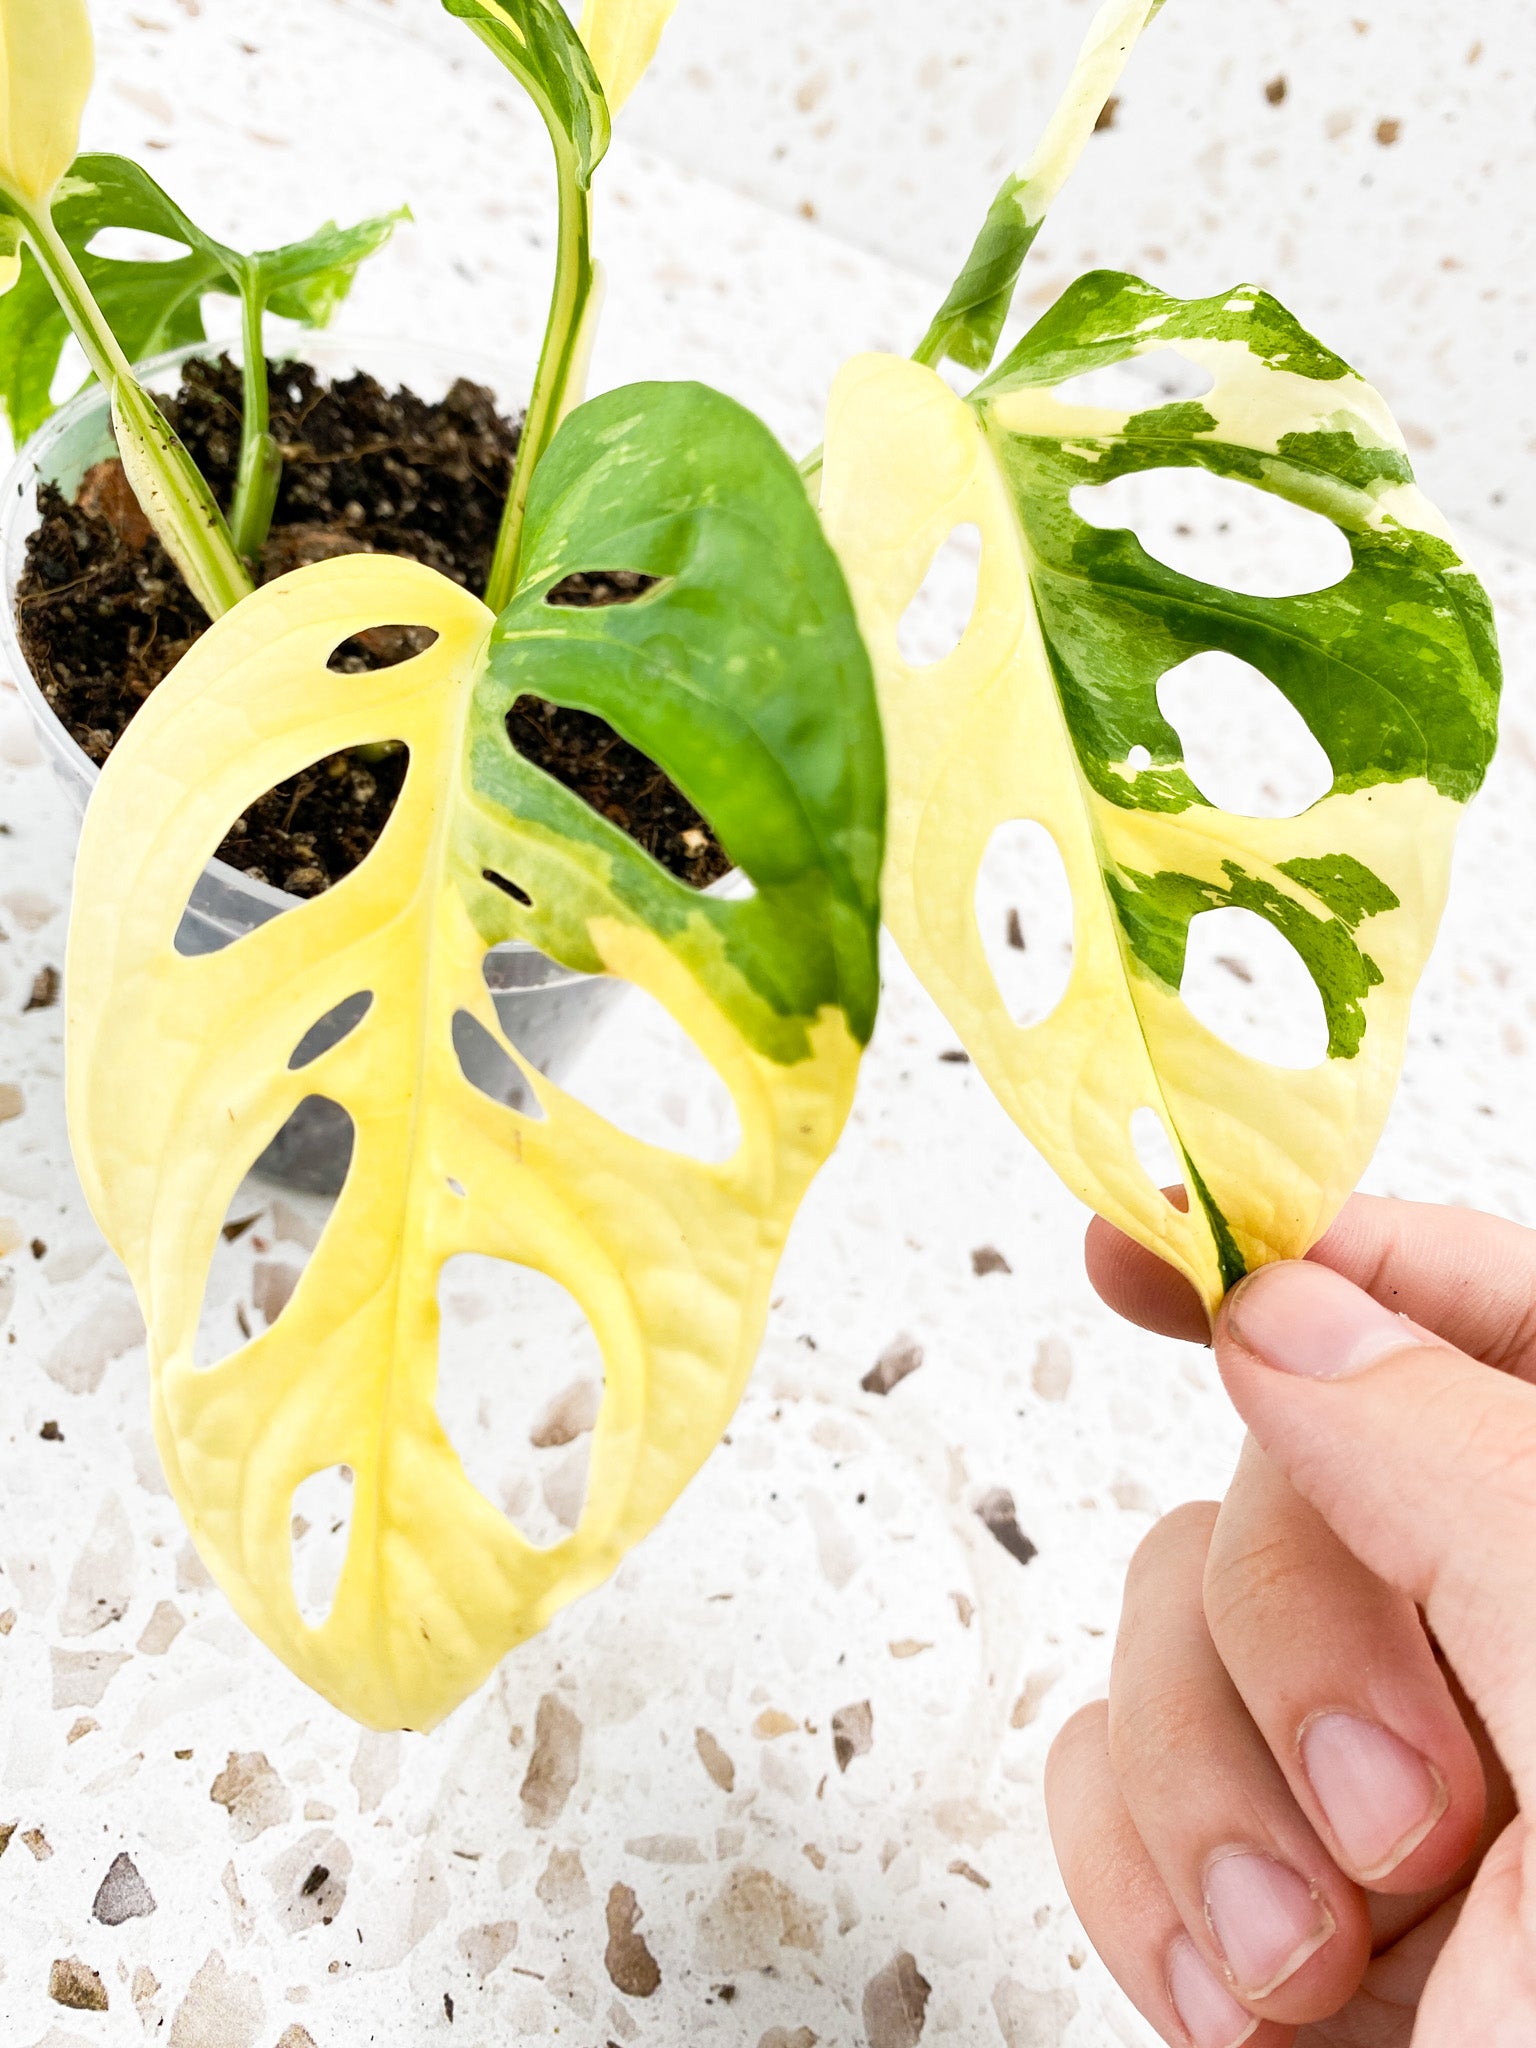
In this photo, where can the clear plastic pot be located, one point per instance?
(548, 1012)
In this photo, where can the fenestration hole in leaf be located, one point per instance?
(305, 834)
(586, 755)
(1024, 914)
(585, 589)
(319, 1533)
(519, 1385)
(507, 887)
(935, 622)
(490, 1068)
(1247, 749)
(269, 1235)
(1163, 377)
(136, 245)
(331, 1029)
(1247, 983)
(380, 647)
(1156, 1152)
(1220, 531)
(650, 1080)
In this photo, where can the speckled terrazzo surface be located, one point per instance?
(799, 1737)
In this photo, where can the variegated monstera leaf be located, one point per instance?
(1042, 707)
(741, 672)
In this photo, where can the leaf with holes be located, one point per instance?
(741, 673)
(151, 306)
(1047, 709)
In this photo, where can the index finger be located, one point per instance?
(1467, 1276)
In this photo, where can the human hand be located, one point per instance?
(1301, 1815)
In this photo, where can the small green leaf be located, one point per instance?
(154, 306)
(307, 281)
(742, 673)
(536, 41)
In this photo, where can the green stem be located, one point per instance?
(261, 460)
(557, 360)
(183, 511)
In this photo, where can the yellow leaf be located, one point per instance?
(621, 38)
(179, 1075)
(46, 65)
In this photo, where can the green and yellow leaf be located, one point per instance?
(1039, 710)
(741, 672)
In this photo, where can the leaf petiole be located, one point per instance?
(560, 362)
(261, 459)
(177, 501)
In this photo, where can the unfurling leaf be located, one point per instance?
(742, 674)
(538, 43)
(153, 306)
(46, 66)
(1049, 701)
(967, 326)
(621, 38)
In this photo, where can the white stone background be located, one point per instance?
(835, 1530)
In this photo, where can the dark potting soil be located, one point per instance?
(104, 614)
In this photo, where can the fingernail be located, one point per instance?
(1211, 2016)
(1380, 1796)
(1265, 1918)
(1305, 1319)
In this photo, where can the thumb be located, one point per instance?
(1421, 1459)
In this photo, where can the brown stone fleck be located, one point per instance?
(960, 1868)
(161, 1629)
(555, 1764)
(631, 1967)
(908, 1646)
(772, 1722)
(38, 1843)
(7, 1621)
(485, 1946)
(296, 2037)
(7, 1829)
(45, 989)
(76, 1985)
(122, 1894)
(988, 1259)
(1276, 90)
(12, 1101)
(896, 2004)
(752, 1918)
(783, 2037)
(1387, 132)
(900, 1358)
(965, 1607)
(82, 1726)
(853, 1732)
(253, 1794)
(563, 1886)
(715, 1760)
(572, 1413)
(998, 1513)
